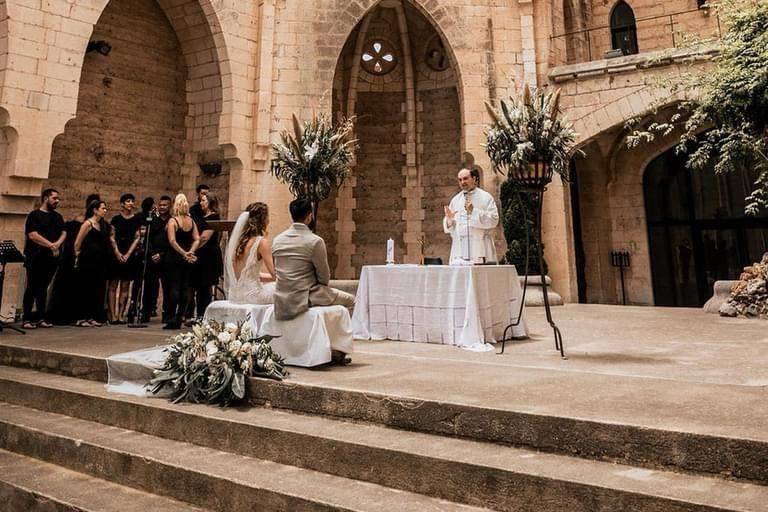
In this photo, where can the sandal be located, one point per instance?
(83, 323)
(94, 323)
(45, 325)
(28, 325)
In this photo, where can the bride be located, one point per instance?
(249, 253)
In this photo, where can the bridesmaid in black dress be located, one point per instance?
(125, 263)
(65, 292)
(210, 264)
(183, 239)
(92, 248)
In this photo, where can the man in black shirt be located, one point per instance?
(158, 247)
(45, 235)
(196, 211)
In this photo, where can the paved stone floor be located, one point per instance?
(678, 369)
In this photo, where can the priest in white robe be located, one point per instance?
(470, 219)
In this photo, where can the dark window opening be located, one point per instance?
(623, 29)
(697, 230)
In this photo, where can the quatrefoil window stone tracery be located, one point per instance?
(379, 59)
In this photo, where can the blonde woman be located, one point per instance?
(183, 239)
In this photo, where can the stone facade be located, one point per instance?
(193, 82)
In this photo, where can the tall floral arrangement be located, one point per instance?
(528, 140)
(315, 158)
(211, 363)
(530, 130)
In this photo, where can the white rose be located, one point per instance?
(211, 348)
(234, 346)
(224, 337)
(230, 327)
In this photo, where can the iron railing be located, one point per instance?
(596, 38)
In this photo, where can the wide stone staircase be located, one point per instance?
(67, 444)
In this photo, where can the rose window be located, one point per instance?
(379, 59)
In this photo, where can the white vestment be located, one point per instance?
(472, 235)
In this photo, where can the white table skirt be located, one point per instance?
(455, 305)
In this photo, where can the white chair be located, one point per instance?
(306, 340)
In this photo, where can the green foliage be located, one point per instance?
(314, 159)
(530, 129)
(211, 363)
(728, 102)
(518, 216)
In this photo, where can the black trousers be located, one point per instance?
(40, 271)
(177, 273)
(151, 290)
(202, 298)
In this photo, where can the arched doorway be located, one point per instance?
(149, 101)
(698, 232)
(397, 76)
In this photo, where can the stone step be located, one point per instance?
(199, 475)
(31, 485)
(470, 472)
(638, 444)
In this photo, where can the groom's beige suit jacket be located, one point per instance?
(301, 265)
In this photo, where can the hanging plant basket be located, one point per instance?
(534, 177)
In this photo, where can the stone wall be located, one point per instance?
(440, 140)
(379, 180)
(129, 130)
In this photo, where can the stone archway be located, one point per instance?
(396, 74)
(129, 131)
(149, 106)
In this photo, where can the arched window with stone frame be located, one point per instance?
(623, 29)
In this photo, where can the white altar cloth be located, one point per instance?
(465, 306)
(307, 340)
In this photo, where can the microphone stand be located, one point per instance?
(139, 309)
(469, 240)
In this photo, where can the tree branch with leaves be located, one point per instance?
(724, 117)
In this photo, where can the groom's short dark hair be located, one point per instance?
(300, 208)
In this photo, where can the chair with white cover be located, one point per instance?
(306, 340)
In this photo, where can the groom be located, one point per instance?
(301, 265)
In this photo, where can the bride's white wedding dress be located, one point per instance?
(247, 288)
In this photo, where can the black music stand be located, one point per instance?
(8, 254)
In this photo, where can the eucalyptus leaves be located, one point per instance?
(529, 130)
(211, 363)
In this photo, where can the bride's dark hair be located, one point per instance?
(256, 226)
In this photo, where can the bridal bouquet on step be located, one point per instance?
(211, 363)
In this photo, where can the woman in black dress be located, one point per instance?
(210, 264)
(65, 293)
(183, 239)
(125, 265)
(92, 252)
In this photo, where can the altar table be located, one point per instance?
(465, 306)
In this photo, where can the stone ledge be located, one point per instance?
(560, 74)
